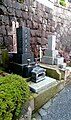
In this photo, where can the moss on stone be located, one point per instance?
(54, 73)
(42, 98)
(62, 74)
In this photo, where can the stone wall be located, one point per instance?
(40, 19)
(36, 16)
(62, 18)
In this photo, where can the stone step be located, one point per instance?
(42, 85)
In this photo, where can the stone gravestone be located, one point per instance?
(51, 54)
(23, 46)
(23, 51)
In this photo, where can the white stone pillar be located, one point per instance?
(40, 54)
(14, 26)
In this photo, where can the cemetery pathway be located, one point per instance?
(58, 108)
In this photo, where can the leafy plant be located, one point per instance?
(63, 3)
(14, 92)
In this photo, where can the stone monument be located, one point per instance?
(51, 54)
(23, 51)
(40, 82)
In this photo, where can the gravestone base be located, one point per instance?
(22, 58)
(48, 60)
(27, 70)
(20, 69)
(17, 68)
(42, 85)
(59, 60)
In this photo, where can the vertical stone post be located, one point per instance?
(14, 26)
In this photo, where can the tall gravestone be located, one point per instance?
(51, 54)
(23, 51)
(23, 46)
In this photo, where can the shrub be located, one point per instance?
(14, 92)
(62, 2)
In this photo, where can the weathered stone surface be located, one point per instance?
(8, 3)
(3, 10)
(18, 13)
(39, 18)
(38, 33)
(50, 16)
(40, 26)
(46, 15)
(33, 33)
(47, 9)
(38, 40)
(9, 30)
(3, 30)
(43, 27)
(8, 41)
(43, 41)
(6, 20)
(1, 41)
(46, 34)
(29, 24)
(30, 16)
(33, 40)
(54, 73)
(43, 34)
(25, 15)
(35, 25)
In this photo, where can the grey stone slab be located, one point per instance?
(48, 60)
(51, 53)
(42, 85)
(51, 42)
(23, 40)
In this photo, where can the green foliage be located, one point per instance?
(62, 2)
(14, 92)
(20, 1)
(5, 58)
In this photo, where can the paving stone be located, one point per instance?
(47, 105)
(42, 112)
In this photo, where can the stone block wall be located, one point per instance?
(36, 16)
(62, 18)
(40, 19)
